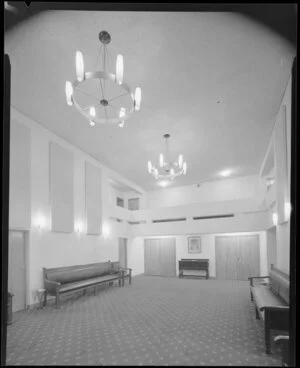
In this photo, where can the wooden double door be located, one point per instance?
(160, 257)
(237, 257)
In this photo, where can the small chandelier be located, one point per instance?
(108, 99)
(167, 169)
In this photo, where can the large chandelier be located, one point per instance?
(101, 96)
(167, 169)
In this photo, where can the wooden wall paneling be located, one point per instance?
(93, 201)
(61, 189)
(220, 251)
(168, 257)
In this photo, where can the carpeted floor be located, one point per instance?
(155, 321)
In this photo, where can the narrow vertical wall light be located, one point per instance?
(105, 230)
(275, 219)
(287, 211)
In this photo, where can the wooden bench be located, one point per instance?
(63, 280)
(271, 301)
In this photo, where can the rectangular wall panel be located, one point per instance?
(20, 176)
(61, 189)
(281, 164)
(93, 199)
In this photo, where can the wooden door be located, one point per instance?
(237, 257)
(17, 269)
(167, 257)
(123, 252)
(152, 257)
(160, 257)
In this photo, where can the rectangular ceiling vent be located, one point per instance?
(212, 217)
(169, 220)
(137, 222)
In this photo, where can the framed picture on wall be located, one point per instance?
(194, 244)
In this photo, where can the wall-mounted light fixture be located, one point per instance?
(105, 230)
(78, 227)
(226, 173)
(41, 222)
(287, 210)
(275, 219)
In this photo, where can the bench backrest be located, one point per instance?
(69, 274)
(280, 284)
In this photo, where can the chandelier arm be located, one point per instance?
(101, 88)
(114, 98)
(99, 52)
(113, 107)
(88, 94)
(105, 112)
(88, 107)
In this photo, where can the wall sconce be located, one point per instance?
(105, 230)
(287, 210)
(79, 227)
(41, 222)
(275, 219)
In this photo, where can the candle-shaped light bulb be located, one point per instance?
(69, 93)
(275, 219)
(184, 168)
(79, 66)
(180, 161)
(122, 112)
(161, 160)
(137, 98)
(119, 69)
(149, 166)
(92, 111)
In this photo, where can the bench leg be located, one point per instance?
(256, 313)
(251, 296)
(267, 332)
(119, 281)
(45, 298)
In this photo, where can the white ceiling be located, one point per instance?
(213, 81)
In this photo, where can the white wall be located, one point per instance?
(136, 251)
(53, 249)
(280, 188)
(213, 191)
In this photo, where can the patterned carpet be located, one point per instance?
(155, 321)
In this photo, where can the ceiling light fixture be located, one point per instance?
(101, 96)
(168, 169)
(225, 173)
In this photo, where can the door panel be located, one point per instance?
(123, 252)
(167, 257)
(160, 257)
(237, 257)
(16, 269)
(152, 256)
